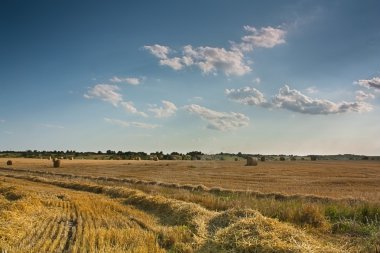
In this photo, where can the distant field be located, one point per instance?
(189, 206)
(337, 179)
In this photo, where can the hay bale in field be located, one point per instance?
(137, 158)
(251, 161)
(236, 159)
(56, 163)
(250, 231)
(155, 158)
(9, 162)
(262, 158)
(71, 158)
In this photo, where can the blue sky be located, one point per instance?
(291, 77)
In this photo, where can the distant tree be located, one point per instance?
(313, 157)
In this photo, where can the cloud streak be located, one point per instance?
(130, 108)
(123, 123)
(221, 121)
(52, 126)
(129, 80)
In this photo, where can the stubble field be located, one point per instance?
(189, 206)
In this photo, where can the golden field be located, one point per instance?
(189, 206)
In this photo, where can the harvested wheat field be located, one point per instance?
(189, 206)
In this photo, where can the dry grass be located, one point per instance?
(337, 179)
(120, 206)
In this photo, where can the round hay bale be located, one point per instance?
(9, 162)
(236, 159)
(72, 158)
(155, 158)
(251, 161)
(56, 163)
(262, 158)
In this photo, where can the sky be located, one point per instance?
(268, 77)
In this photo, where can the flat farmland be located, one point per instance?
(335, 179)
(189, 206)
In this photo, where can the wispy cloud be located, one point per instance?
(195, 99)
(294, 100)
(369, 83)
(311, 90)
(52, 126)
(166, 110)
(213, 59)
(105, 92)
(129, 107)
(257, 80)
(222, 121)
(159, 51)
(361, 95)
(129, 80)
(110, 93)
(123, 123)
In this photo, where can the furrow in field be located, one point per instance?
(40, 242)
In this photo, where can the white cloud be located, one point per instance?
(221, 121)
(361, 95)
(165, 111)
(123, 123)
(105, 92)
(213, 59)
(174, 63)
(159, 51)
(294, 100)
(129, 80)
(266, 37)
(128, 106)
(369, 83)
(247, 96)
(312, 90)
